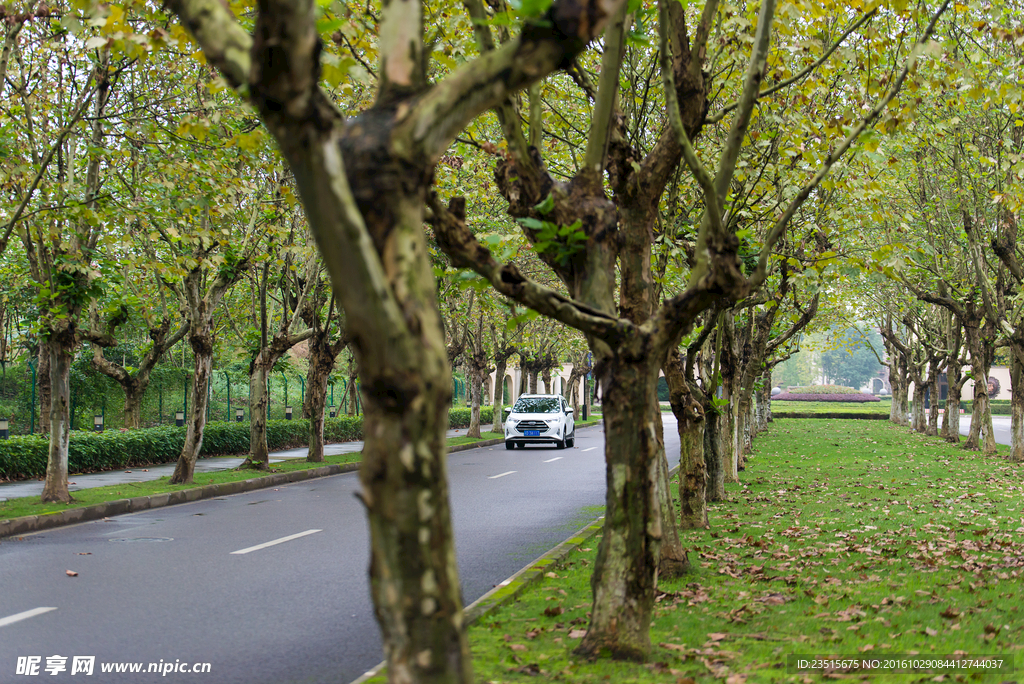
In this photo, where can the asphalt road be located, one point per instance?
(170, 586)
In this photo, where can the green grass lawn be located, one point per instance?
(847, 538)
(832, 406)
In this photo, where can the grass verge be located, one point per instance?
(846, 538)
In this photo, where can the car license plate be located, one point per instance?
(531, 433)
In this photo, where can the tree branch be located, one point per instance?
(456, 240)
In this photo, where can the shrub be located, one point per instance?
(25, 456)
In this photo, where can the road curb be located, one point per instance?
(36, 523)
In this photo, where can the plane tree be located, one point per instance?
(326, 342)
(364, 182)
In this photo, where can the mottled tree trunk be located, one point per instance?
(693, 473)
(43, 388)
(476, 383)
(713, 453)
(498, 405)
(981, 414)
(728, 430)
(672, 560)
(744, 420)
(898, 410)
(919, 423)
(202, 347)
(951, 417)
(533, 381)
(133, 405)
(259, 452)
(627, 559)
(55, 488)
(1016, 409)
(351, 391)
(932, 428)
(320, 366)
(413, 570)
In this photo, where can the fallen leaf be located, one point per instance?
(577, 634)
(674, 647)
(717, 636)
(71, 573)
(517, 647)
(85, 553)
(551, 575)
(552, 611)
(931, 632)
(736, 679)
(950, 613)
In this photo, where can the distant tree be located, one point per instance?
(851, 363)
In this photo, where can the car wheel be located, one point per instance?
(571, 442)
(510, 445)
(559, 444)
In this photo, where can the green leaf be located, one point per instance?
(545, 206)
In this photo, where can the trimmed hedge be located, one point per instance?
(24, 456)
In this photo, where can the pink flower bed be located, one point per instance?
(855, 398)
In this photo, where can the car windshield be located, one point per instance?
(537, 405)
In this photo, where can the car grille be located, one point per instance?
(532, 425)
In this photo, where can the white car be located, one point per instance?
(540, 419)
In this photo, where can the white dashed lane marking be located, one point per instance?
(18, 617)
(282, 540)
(495, 477)
(553, 459)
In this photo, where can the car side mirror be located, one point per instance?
(508, 409)
(569, 410)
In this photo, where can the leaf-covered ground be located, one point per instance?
(845, 538)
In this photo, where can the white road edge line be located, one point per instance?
(590, 449)
(495, 477)
(275, 542)
(553, 459)
(18, 617)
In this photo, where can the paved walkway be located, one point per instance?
(1000, 428)
(13, 490)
